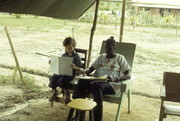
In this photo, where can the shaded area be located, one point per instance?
(64, 9)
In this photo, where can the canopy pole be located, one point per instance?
(14, 54)
(122, 20)
(92, 31)
(135, 10)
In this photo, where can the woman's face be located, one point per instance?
(109, 50)
(69, 49)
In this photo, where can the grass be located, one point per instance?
(29, 82)
(39, 23)
(157, 57)
(30, 89)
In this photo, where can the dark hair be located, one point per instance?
(69, 40)
(111, 41)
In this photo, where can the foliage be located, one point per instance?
(143, 18)
(168, 20)
(88, 17)
(28, 86)
(4, 79)
(107, 6)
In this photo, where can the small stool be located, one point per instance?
(80, 105)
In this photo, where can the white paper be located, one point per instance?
(61, 65)
(85, 77)
(91, 77)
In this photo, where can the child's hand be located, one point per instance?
(73, 66)
(80, 72)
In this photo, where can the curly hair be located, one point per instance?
(68, 41)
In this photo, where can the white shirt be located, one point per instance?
(112, 67)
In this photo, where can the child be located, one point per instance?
(61, 80)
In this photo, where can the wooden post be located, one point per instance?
(72, 32)
(14, 54)
(14, 74)
(122, 20)
(176, 26)
(135, 14)
(92, 31)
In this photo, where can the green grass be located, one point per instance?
(29, 85)
(39, 23)
(163, 56)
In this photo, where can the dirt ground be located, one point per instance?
(148, 70)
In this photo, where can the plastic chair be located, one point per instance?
(128, 51)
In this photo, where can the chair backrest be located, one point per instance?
(171, 81)
(83, 55)
(125, 49)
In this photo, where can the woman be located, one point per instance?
(113, 65)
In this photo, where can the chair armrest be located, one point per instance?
(127, 84)
(162, 91)
(128, 80)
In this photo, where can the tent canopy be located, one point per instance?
(63, 9)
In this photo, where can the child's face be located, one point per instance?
(69, 49)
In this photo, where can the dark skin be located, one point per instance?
(110, 53)
(109, 50)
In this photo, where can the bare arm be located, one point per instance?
(73, 66)
(126, 76)
(89, 70)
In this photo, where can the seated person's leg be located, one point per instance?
(98, 90)
(53, 84)
(82, 87)
(64, 83)
(53, 81)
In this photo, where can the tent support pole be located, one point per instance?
(14, 54)
(135, 14)
(92, 31)
(122, 20)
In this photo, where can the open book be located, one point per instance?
(102, 78)
(61, 65)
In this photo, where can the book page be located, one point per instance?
(61, 65)
(91, 77)
(65, 66)
(85, 77)
(54, 64)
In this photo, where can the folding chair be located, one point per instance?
(170, 92)
(128, 51)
